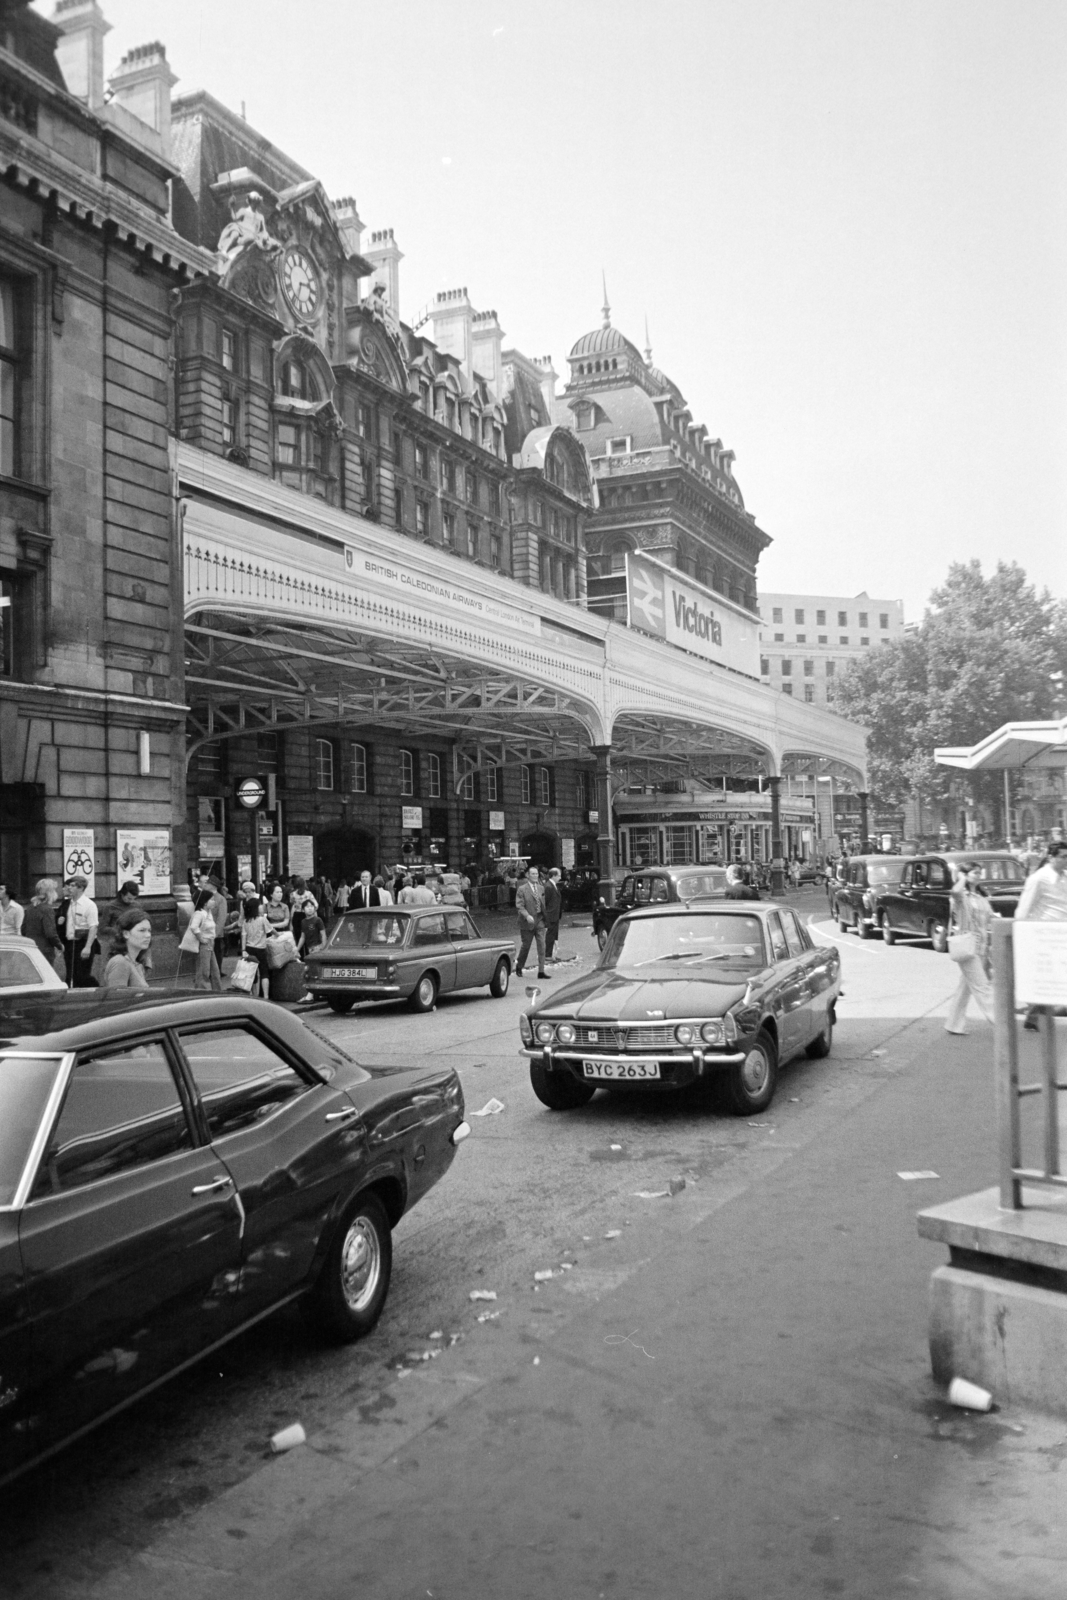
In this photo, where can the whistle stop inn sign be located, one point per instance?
(251, 793)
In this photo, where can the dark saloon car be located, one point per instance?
(171, 1171)
(858, 900)
(654, 886)
(728, 991)
(919, 906)
(412, 953)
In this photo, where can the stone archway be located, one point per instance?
(345, 853)
(541, 847)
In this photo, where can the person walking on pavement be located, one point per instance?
(201, 931)
(80, 926)
(971, 914)
(530, 905)
(1044, 899)
(553, 911)
(11, 913)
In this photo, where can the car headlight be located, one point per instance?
(544, 1032)
(525, 1029)
(713, 1032)
(565, 1033)
(866, 902)
(684, 1033)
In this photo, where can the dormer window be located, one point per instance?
(619, 447)
(296, 382)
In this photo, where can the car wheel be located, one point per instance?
(559, 1091)
(864, 929)
(888, 936)
(937, 933)
(340, 1003)
(424, 995)
(498, 986)
(752, 1082)
(822, 1043)
(354, 1281)
(601, 938)
(841, 923)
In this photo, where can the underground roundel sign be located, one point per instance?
(251, 793)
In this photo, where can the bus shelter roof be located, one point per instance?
(1016, 744)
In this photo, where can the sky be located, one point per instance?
(845, 221)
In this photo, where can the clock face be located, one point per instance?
(300, 280)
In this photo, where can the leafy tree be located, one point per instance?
(986, 652)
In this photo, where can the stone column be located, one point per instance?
(777, 864)
(605, 832)
(865, 843)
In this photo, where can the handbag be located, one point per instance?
(189, 941)
(281, 949)
(962, 946)
(244, 975)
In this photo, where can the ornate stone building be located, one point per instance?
(92, 714)
(665, 486)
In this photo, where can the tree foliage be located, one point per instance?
(984, 654)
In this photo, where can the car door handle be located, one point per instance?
(217, 1183)
(341, 1116)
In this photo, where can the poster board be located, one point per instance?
(1040, 950)
(301, 855)
(142, 856)
(79, 856)
(566, 850)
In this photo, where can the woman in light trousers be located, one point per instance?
(971, 913)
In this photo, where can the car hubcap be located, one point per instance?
(360, 1265)
(425, 992)
(754, 1072)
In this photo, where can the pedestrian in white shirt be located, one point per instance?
(11, 913)
(1044, 899)
(80, 933)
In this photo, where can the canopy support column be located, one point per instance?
(606, 833)
(777, 863)
(865, 826)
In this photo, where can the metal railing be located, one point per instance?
(1010, 1092)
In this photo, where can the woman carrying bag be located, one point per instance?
(255, 931)
(968, 946)
(202, 933)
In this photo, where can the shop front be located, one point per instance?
(696, 829)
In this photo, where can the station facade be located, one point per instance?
(435, 609)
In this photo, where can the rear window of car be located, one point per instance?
(17, 968)
(1000, 869)
(885, 871)
(693, 885)
(25, 1085)
(700, 939)
(362, 928)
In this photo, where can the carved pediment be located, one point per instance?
(372, 347)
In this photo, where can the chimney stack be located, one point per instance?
(349, 224)
(141, 85)
(487, 339)
(80, 52)
(547, 376)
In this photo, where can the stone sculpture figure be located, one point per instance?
(247, 227)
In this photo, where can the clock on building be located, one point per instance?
(300, 280)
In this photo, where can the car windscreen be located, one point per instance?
(25, 1084)
(884, 871)
(1000, 869)
(361, 929)
(700, 940)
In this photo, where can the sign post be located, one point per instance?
(251, 793)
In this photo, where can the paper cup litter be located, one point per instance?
(968, 1396)
(288, 1437)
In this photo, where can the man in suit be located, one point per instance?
(530, 905)
(553, 911)
(364, 894)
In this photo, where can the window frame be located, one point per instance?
(322, 746)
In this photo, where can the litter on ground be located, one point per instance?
(483, 1294)
(287, 1438)
(613, 1233)
(912, 1177)
(491, 1108)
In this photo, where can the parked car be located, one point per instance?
(729, 991)
(858, 900)
(412, 953)
(23, 969)
(171, 1170)
(657, 886)
(580, 889)
(919, 906)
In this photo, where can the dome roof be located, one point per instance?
(600, 342)
(660, 378)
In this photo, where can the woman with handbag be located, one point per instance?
(968, 946)
(255, 931)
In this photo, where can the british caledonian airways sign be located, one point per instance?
(425, 588)
(664, 603)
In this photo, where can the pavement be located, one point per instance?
(727, 1394)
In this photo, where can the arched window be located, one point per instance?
(433, 776)
(407, 772)
(323, 764)
(359, 769)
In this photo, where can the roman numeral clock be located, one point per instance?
(301, 283)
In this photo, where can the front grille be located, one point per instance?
(642, 1036)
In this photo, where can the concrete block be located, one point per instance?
(1011, 1338)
